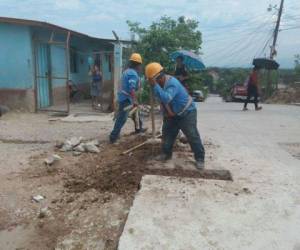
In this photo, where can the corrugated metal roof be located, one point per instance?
(51, 26)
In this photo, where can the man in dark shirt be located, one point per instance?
(181, 73)
(252, 89)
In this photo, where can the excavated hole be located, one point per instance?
(110, 171)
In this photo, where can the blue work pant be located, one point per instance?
(187, 123)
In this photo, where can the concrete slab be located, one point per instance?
(260, 209)
(186, 214)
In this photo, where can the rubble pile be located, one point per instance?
(78, 146)
(286, 96)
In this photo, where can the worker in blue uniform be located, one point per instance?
(130, 84)
(179, 113)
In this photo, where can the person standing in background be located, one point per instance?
(96, 86)
(181, 73)
(252, 89)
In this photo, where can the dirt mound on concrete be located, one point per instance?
(110, 171)
(286, 96)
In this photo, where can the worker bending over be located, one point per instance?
(130, 83)
(179, 113)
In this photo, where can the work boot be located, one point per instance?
(163, 157)
(258, 108)
(245, 109)
(113, 140)
(200, 164)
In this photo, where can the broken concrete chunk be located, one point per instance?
(91, 148)
(44, 212)
(70, 144)
(96, 142)
(80, 148)
(38, 198)
(56, 157)
(66, 147)
(51, 159)
(76, 153)
(74, 141)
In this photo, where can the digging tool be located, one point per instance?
(152, 112)
(154, 139)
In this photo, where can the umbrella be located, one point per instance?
(265, 63)
(190, 59)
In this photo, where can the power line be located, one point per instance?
(269, 37)
(291, 28)
(230, 35)
(238, 42)
(241, 49)
(241, 29)
(245, 47)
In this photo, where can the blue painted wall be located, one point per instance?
(85, 48)
(16, 64)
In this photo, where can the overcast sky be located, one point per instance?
(234, 31)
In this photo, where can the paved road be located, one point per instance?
(260, 209)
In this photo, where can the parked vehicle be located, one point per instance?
(238, 93)
(198, 96)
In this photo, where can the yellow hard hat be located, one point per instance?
(153, 69)
(136, 57)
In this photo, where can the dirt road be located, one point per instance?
(82, 210)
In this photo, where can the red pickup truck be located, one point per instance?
(239, 92)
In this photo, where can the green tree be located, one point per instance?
(165, 36)
(158, 41)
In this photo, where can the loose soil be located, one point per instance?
(111, 171)
(89, 196)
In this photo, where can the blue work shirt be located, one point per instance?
(130, 81)
(173, 94)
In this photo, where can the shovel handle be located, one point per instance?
(152, 112)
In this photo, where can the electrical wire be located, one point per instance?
(242, 48)
(269, 38)
(238, 42)
(291, 28)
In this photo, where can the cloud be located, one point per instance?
(226, 24)
(69, 5)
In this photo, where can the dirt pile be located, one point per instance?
(110, 171)
(286, 96)
(95, 191)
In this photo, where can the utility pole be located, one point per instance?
(275, 36)
(273, 47)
